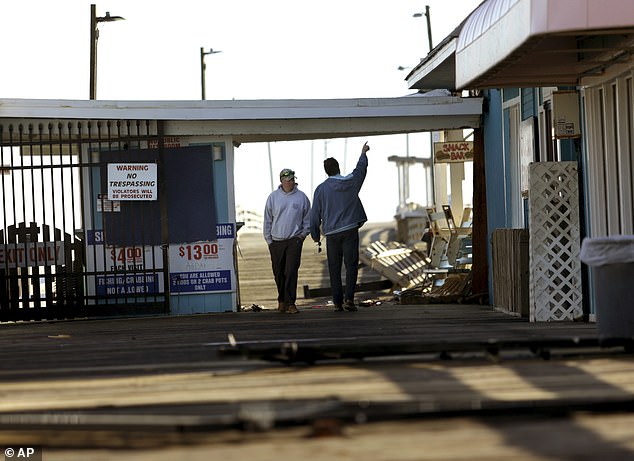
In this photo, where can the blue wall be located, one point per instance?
(494, 164)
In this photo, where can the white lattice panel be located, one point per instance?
(555, 267)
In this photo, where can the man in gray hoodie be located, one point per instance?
(286, 225)
(339, 211)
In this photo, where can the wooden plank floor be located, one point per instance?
(426, 386)
(155, 388)
(583, 437)
(431, 385)
(182, 340)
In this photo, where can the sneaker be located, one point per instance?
(349, 306)
(281, 307)
(292, 309)
(338, 308)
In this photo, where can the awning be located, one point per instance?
(265, 120)
(532, 43)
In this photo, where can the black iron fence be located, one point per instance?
(55, 257)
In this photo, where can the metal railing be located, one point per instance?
(55, 259)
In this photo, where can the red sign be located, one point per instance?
(31, 254)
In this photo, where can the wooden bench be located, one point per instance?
(403, 265)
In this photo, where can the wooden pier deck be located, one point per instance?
(390, 382)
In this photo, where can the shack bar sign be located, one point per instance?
(132, 181)
(453, 151)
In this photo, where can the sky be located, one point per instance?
(275, 49)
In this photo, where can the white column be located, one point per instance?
(456, 172)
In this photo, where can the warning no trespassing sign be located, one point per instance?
(132, 181)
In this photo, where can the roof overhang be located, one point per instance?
(266, 120)
(533, 43)
(438, 70)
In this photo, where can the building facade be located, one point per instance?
(557, 81)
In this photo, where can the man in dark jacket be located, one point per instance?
(339, 211)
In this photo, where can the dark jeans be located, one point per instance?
(286, 257)
(343, 247)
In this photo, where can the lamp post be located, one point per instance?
(94, 36)
(203, 67)
(431, 186)
(426, 14)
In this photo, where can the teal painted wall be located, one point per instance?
(494, 170)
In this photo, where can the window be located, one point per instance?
(528, 103)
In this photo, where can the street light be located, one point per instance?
(430, 188)
(203, 67)
(426, 14)
(94, 36)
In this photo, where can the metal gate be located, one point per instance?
(55, 258)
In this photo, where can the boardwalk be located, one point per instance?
(390, 382)
(142, 385)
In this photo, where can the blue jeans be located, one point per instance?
(343, 247)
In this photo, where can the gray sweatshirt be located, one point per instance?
(286, 215)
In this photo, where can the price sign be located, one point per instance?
(203, 267)
(128, 258)
(198, 251)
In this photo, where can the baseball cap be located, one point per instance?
(287, 174)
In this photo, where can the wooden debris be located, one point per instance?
(410, 268)
(403, 265)
(455, 290)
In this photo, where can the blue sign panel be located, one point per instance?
(204, 281)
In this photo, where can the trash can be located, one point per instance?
(612, 263)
